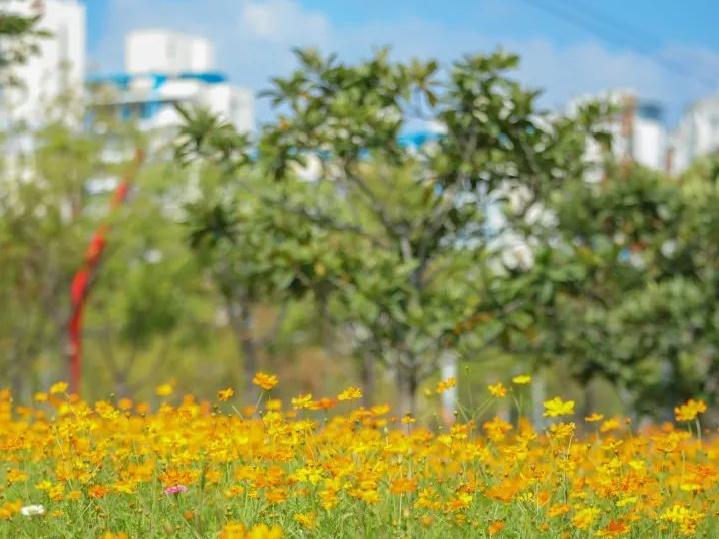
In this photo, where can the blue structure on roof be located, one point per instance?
(150, 100)
(123, 80)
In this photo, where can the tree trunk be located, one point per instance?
(590, 398)
(407, 389)
(241, 322)
(369, 378)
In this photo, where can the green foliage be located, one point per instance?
(408, 229)
(624, 286)
(19, 38)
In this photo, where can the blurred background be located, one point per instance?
(131, 254)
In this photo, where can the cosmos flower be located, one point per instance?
(58, 388)
(351, 393)
(497, 390)
(690, 410)
(522, 379)
(557, 407)
(265, 381)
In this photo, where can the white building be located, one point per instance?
(638, 133)
(58, 67)
(164, 68)
(697, 133)
(162, 51)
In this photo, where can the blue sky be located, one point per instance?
(253, 38)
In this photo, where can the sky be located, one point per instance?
(665, 50)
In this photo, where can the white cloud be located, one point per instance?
(282, 21)
(253, 39)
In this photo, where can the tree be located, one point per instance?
(410, 226)
(254, 252)
(623, 286)
(19, 35)
(43, 230)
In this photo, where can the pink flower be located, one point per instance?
(176, 489)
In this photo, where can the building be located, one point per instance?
(638, 132)
(164, 69)
(58, 67)
(696, 135)
(163, 51)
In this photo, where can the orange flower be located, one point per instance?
(615, 528)
(225, 394)
(495, 527)
(265, 381)
(325, 403)
(690, 410)
(403, 486)
(98, 491)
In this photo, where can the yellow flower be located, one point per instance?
(274, 405)
(594, 418)
(14, 475)
(40, 396)
(610, 425)
(408, 419)
(690, 409)
(58, 388)
(380, 409)
(585, 517)
(263, 531)
(233, 530)
(557, 407)
(561, 430)
(685, 518)
(302, 402)
(351, 393)
(265, 381)
(522, 379)
(444, 385)
(225, 394)
(557, 510)
(306, 520)
(164, 390)
(498, 389)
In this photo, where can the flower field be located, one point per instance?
(202, 469)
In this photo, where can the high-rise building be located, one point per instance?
(696, 135)
(163, 69)
(59, 65)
